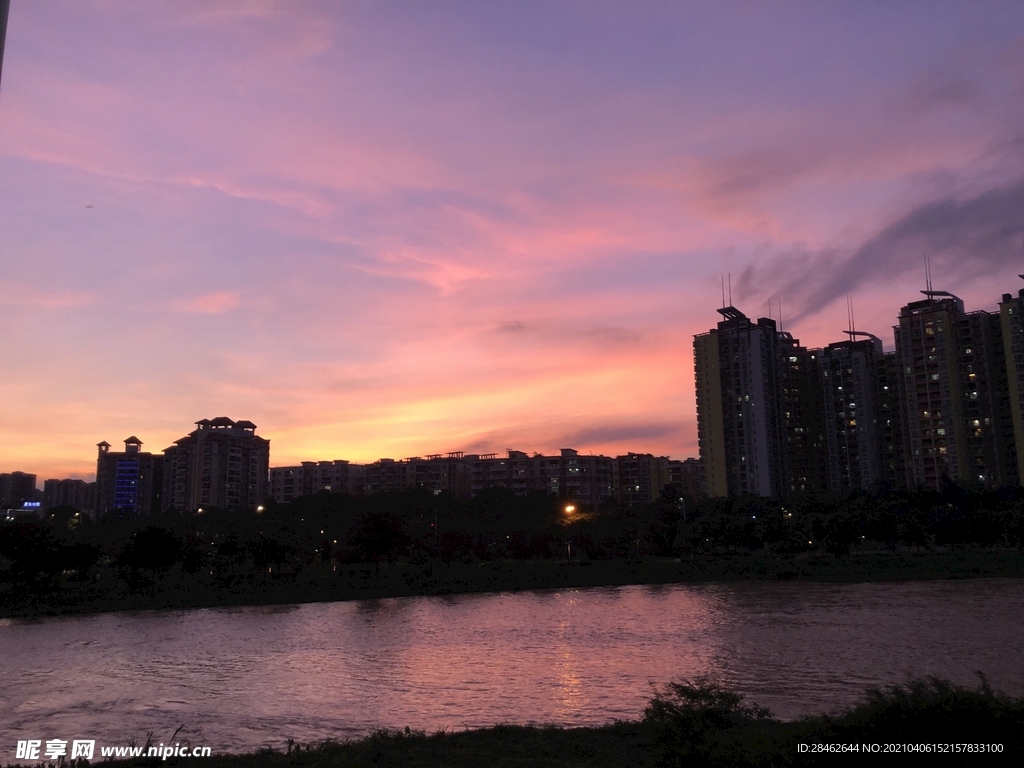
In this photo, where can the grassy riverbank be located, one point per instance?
(701, 725)
(358, 582)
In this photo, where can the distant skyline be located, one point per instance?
(390, 230)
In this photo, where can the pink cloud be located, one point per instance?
(213, 303)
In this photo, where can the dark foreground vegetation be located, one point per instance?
(332, 546)
(925, 722)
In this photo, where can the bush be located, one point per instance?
(929, 710)
(701, 723)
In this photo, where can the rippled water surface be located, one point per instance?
(240, 678)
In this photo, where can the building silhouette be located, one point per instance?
(222, 464)
(128, 482)
(740, 416)
(16, 488)
(583, 478)
(804, 458)
(775, 418)
(853, 399)
(684, 474)
(954, 398)
(70, 493)
(641, 477)
(1011, 316)
(309, 477)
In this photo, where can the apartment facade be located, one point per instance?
(804, 459)
(776, 418)
(338, 476)
(1011, 317)
(222, 463)
(684, 474)
(953, 380)
(641, 477)
(16, 488)
(741, 426)
(70, 493)
(128, 482)
(853, 412)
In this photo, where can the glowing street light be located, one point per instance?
(570, 508)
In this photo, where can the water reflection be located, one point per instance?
(240, 678)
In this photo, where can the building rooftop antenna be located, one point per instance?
(780, 312)
(730, 289)
(723, 291)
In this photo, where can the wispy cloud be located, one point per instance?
(966, 238)
(213, 303)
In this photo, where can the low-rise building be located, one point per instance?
(70, 493)
(309, 477)
(17, 488)
(641, 477)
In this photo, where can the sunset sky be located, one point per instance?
(393, 229)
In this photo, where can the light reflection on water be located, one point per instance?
(239, 678)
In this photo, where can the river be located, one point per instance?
(240, 678)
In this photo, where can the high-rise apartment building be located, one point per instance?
(853, 412)
(1011, 315)
(929, 388)
(774, 417)
(894, 469)
(128, 482)
(222, 463)
(741, 429)
(804, 460)
(990, 454)
(952, 379)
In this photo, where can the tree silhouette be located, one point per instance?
(379, 536)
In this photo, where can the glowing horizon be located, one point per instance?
(464, 227)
